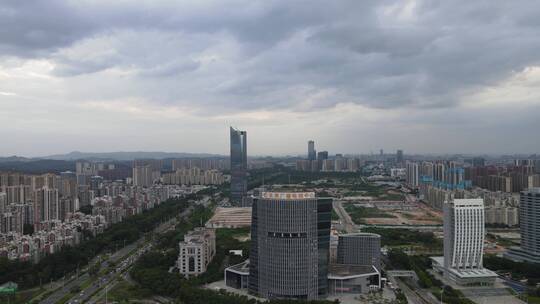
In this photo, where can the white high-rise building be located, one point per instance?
(413, 174)
(464, 244)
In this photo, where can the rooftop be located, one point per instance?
(468, 273)
(242, 268)
(344, 271)
(288, 195)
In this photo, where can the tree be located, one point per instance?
(94, 269)
(28, 229)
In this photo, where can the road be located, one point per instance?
(122, 260)
(412, 296)
(346, 221)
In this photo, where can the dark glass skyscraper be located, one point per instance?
(238, 166)
(399, 157)
(290, 235)
(312, 154)
(529, 224)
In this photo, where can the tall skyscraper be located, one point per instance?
(290, 235)
(464, 243)
(529, 224)
(413, 174)
(238, 166)
(399, 156)
(312, 154)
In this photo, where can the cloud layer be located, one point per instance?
(426, 76)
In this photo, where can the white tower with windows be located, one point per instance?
(464, 244)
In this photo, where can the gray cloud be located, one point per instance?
(211, 59)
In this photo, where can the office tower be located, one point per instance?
(399, 157)
(322, 155)
(359, 249)
(381, 152)
(464, 244)
(311, 150)
(529, 224)
(290, 235)
(142, 176)
(238, 166)
(196, 251)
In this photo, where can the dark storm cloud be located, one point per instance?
(300, 55)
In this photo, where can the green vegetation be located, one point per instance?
(123, 291)
(86, 209)
(28, 229)
(401, 298)
(151, 270)
(406, 237)
(420, 264)
(283, 175)
(393, 196)
(534, 299)
(518, 270)
(54, 266)
(335, 216)
(358, 214)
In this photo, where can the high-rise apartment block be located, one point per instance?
(238, 166)
(413, 174)
(142, 176)
(193, 176)
(46, 205)
(464, 244)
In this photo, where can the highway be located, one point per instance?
(122, 259)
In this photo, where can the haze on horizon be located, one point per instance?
(355, 76)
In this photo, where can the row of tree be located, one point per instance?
(68, 259)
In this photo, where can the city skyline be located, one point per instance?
(418, 78)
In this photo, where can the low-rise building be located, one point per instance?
(196, 251)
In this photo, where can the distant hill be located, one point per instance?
(14, 159)
(37, 166)
(124, 156)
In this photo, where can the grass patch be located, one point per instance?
(358, 214)
(123, 291)
(405, 237)
(533, 300)
(335, 216)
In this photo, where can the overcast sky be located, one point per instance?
(355, 76)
